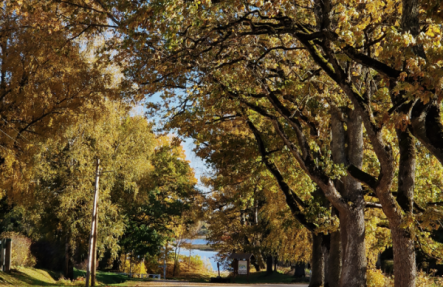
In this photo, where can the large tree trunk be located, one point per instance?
(353, 247)
(317, 261)
(334, 261)
(404, 257)
(352, 223)
(402, 242)
(326, 246)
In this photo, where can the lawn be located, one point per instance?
(104, 277)
(39, 277)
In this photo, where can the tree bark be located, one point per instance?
(326, 248)
(352, 224)
(317, 261)
(69, 266)
(334, 260)
(299, 270)
(404, 257)
(92, 238)
(354, 257)
(275, 263)
(427, 128)
(402, 242)
(269, 264)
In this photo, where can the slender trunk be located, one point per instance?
(256, 266)
(130, 262)
(317, 261)
(116, 265)
(126, 259)
(275, 263)
(269, 264)
(299, 270)
(259, 259)
(69, 267)
(93, 225)
(94, 248)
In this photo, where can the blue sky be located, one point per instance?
(196, 163)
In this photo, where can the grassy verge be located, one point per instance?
(37, 277)
(103, 277)
(28, 277)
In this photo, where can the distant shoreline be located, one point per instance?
(203, 247)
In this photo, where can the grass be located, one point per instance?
(103, 277)
(38, 277)
(27, 277)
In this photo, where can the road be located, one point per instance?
(194, 284)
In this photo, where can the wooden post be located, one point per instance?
(2, 254)
(94, 249)
(92, 238)
(164, 263)
(8, 254)
(248, 269)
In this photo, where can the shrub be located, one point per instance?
(196, 262)
(428, 280)
(376, 278)
(21, 249)
(152, 265)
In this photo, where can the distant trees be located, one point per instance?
(63, 106)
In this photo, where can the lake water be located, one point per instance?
(204, 254)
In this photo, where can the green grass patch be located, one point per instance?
(28, 277)
(38, 277)
(104, 277)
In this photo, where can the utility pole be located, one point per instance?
(164, 262)
(93, 235)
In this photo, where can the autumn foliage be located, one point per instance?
(321, 122)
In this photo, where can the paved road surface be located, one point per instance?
(193, 284)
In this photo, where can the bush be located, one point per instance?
(376, 278)
(427, 280)
(196, 262)
(21, 249)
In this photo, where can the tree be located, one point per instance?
(166, 194)
(349, 48)
(61, 203)
(45, 80)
